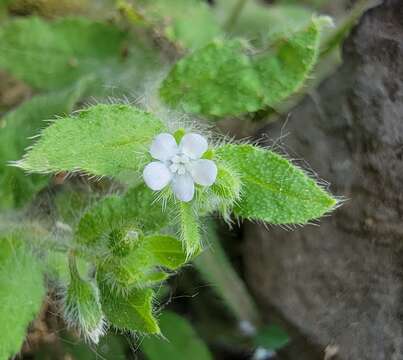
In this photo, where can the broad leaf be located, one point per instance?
(273, 189)
(131, 312)
(225, 78)
(16, 129)
(181, 343)
(21, 293)
(189, 23)
(101, 140)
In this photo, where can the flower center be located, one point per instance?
(178, 164)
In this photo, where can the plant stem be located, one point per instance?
(234, 15)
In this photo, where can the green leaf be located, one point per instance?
(82, 307)
(132, 311)
(224, 78)
(142, 266)
(273, 189)
(136, 208)
(102, 140)
(189, 229)
(271, 337)
(21, 293)
(50, 55)
(16, 129)
(181, 343)
(189, 23)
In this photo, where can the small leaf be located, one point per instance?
(189, 23)
(17, 128)
(50, 55)
(167, 251)
(182, 342)
(103, 140)
(132, 311)
(113, 213)
(82, 307)
(223, 79)
(21, 293)
(271, 337)
(273, 190)
(142, 266)
(189, 229)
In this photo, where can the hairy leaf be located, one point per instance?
(136, 208)
(273, 189)
(131, 312)
(181, 343)
(101, 140)
(189, 229)
(142, 267)
(224, 78)
(16, 129)
(21, 293)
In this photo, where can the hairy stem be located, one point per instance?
(234, 14)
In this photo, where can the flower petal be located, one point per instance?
(204, 172)
(163, 147)
(193, 145)
(183, 187)
(156, 175)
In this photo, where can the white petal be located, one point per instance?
(204, 172)
(183, 187)
(163, 147)
(193, 145)
(156, 175)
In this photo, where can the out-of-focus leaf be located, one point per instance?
(189, 23)
(181, 343)
(273, 189)
(216, 269)
(16, 129)
(51, 55)
(262, 23)
(105, 140)
(271, 337)
(21, 293)
(224, 78)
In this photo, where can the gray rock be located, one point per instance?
(341, 283)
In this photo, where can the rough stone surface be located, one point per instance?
(341, 283)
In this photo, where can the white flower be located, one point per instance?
(181, 165)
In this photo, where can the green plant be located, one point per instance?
(153, 173)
